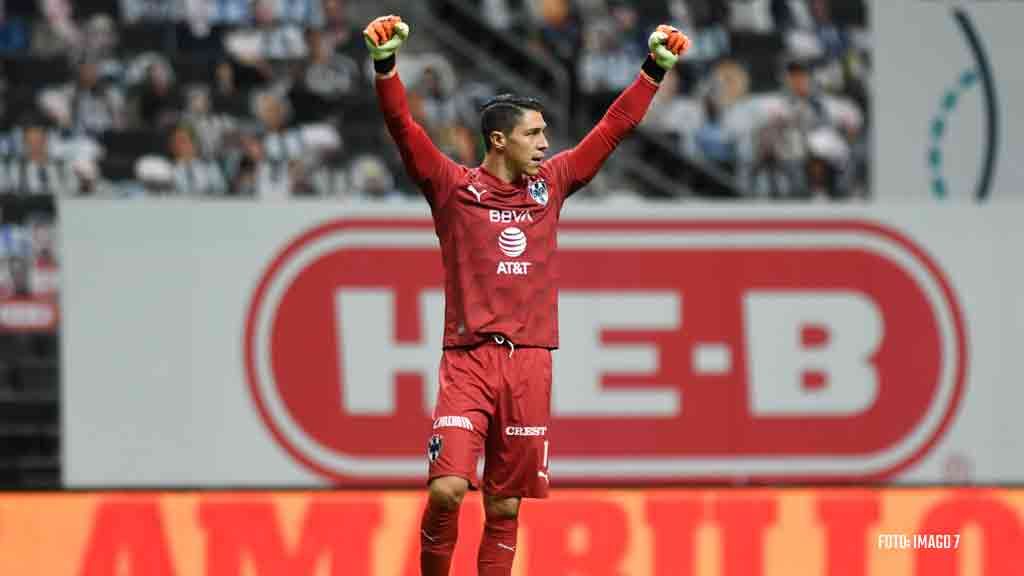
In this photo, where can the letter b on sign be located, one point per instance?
(811, 352)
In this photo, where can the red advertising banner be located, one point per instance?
(755, 532)
(804, 324)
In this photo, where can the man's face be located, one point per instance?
(35, 142)
(271, 112)
(88, 75)
(181, 145)
(263, 12)
(526, 145)
(800, 82)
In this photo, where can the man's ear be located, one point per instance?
(498, 140)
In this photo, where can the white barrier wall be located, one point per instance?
(948, 87)
(238, 344)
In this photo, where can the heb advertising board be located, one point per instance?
(700, 344)
(765, 532)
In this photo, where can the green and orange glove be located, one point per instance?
(667, 44)
(384, 36)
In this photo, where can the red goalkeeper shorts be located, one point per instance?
(495, 400)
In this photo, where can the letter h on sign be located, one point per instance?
(370, 356)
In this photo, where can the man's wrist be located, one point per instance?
(652, 70)
(385, 66)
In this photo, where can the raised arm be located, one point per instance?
(427, 166)
(581, 163)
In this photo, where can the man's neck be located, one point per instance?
(498, 167)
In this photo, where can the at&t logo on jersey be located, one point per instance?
(512, 243)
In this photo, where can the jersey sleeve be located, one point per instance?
(434, 173)
(575, 167)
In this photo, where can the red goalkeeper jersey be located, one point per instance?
(498, 239)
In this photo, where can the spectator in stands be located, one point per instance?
(323, 80)
(87, 105)
(706, 22)
(827, 165)
(38, 172)
(714, 142)
(806, 106)
(339, 35)
(15, 35)
(280, 142)
(15, 283)
(560, 29)
(226, 97)
(833, 40)
(372, 180)
(496, 13)
(44, 273)
(301, 13)
(159, 100)
(608, 64)
(212, 130)
(627, 24)
(258, 177)
(56, 33)
(228, 13)
(269, 46)
(133, 11)
(312, 179)
(100, 44)
(194, 176)
(436, 96)
(770, 174)
(782, 15)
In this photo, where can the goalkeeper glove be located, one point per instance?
(667, 44)
(384, 36)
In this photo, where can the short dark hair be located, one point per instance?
(503, 112)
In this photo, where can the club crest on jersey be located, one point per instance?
(434, 448)
(539, 191)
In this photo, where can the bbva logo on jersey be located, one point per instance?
(539, 191)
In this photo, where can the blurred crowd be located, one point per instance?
(774, 93)
(184, 97)
(273, 99)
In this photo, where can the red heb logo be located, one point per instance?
(798, 350)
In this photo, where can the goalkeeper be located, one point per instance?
(497, 228)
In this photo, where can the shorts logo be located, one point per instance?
(526, 430)
(453, 422)
(539, 191)
(512, 242)
(434, 447)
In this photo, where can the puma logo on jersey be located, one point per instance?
(510, 216)
(479, 194)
